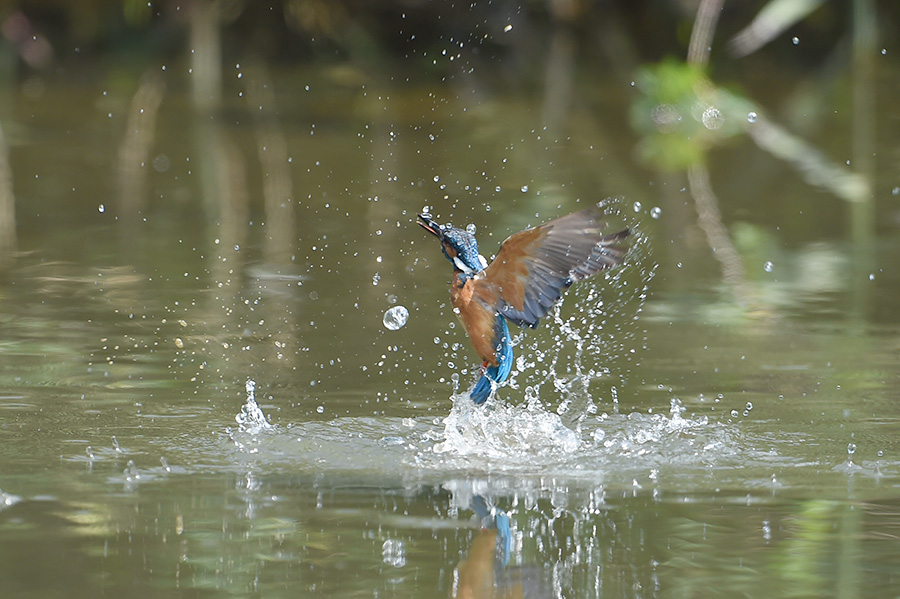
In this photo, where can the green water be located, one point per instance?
(697, 423)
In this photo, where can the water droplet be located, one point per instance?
(524, 189)
(507, 29)
(161, 163)
(795, 40)
(437, 178)
(713, 118)
(751, 117)
(470, 229)
(131, 471)
(895, 191)
(768, 267)
(655, 212)
(637, 206)
(851, 448)
(395, 318)
(393, 553)
(320, 409)
(101, 208)
(871, 276)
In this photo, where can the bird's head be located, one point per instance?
(459, 245)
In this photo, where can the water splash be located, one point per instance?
(504, 432)
(584, 358)
(526, 439)
(251, 419)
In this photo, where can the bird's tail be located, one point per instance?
(500, 372)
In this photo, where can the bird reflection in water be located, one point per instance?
(485, 572)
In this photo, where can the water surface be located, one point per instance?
(199, 396)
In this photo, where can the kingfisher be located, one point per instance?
(528, 276)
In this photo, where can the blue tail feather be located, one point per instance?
(500, 372)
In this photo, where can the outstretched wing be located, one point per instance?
(535, 266)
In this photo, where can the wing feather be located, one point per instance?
(534, 267)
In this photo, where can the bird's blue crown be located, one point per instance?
(465, 246)
(458, 245)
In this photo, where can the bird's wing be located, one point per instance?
(533, 267)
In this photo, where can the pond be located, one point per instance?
(199, 395)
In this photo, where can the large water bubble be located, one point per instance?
(395, 318)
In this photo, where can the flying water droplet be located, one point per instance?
(251, 419)
(470, 229)
(795, 40)
(395, 318)
(101, 208)
(713, 118)
(393, 553)
(751, 117)
(768, 267)
(637, 206)
(655, 212)
(131, 471)
(524, 189)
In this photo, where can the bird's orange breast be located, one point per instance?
(473, 302)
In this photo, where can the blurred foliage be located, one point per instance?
(680, 115)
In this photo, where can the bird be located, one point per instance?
(525, 280)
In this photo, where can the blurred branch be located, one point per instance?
(273, 157)
(702, 34)
(815, 168)
(134, 152)
(205, 51)
(772, 20)
(710, 220)
(709, 216)
(7, 205)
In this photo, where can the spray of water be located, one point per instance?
(581, 361)
(252, 423)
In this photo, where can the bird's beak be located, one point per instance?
(424, 221)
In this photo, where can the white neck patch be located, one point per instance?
(462, 266)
